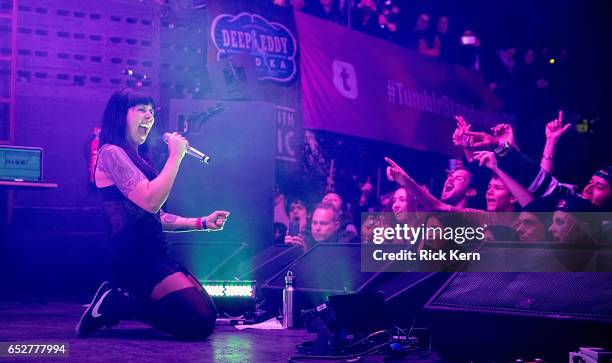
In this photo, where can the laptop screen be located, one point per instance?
(21, 163)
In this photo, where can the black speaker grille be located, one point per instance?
(555, 295)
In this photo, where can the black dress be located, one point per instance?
(139, 259)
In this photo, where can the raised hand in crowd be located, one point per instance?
(396, 173)
(423, 197)
(460, 139)
(486, 159)
(504, 133)
(479, 140)
(555, 128)
(482, 140)
(295, 240)
(553, 131)
(366, 189)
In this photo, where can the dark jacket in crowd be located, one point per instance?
(340, 236)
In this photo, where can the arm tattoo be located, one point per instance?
(172, 223)
(120, 169)
(169, 218)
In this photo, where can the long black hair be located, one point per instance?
(114, 125)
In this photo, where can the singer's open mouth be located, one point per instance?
(143, 130)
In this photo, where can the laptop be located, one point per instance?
(21, 164)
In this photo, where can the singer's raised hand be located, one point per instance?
(216, 220)
(177, 145)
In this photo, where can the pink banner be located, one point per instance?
(363, 86)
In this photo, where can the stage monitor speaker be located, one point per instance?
(496, 315)
(268, 262)
(406, 293)
(207, 260)
(332, 268)
(326, 269)
(542, 257)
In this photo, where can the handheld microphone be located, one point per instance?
(190, 150)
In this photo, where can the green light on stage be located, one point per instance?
(238, 291)
(214, 290)
(229, 288)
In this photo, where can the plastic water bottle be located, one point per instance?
(288, 292)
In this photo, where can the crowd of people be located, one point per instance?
(546, 209)
(528, 79)
(531, 81)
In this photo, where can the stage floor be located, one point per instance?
(54, 322)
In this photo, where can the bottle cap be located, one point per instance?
(289, 277)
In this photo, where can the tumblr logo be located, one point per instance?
(345, 79)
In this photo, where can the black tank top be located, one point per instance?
(130, 227)
(123, 214)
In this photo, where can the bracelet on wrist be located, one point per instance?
(199, 223)
(502, 149)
